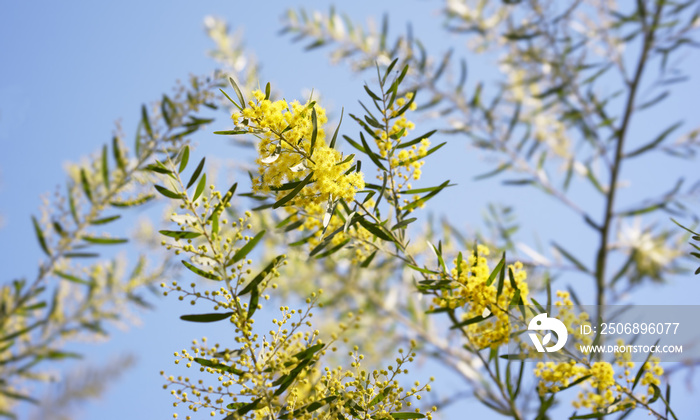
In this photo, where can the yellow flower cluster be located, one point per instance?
(603, 382)
(405, 162)
(470, 291)
(258, 366)
(286, 153)
(357, 392)
(572, 321)
(556, 376)
(601, 392)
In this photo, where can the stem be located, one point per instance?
(602, 257)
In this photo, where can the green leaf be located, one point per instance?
(104, 241)
(570, 257)
(215, 223)
(496, 270)
(146, 122)
(470, 321)
(502, 167)
(368, 260)
(516, 182)
(218, 366)
(335, 134)
(314, 133)
(71, 278)
(589, 416)
(238, 92)
(213, 317)
(375, 229)
(85, 184)
(231, 132)
(661, 137)
(657, 393)
(267, 90)
(371, 94)
(403, 223)
(416, 140)
(200, 272)
(22, 331)
(442, 66)
(166, 109)
(373, 156)
(253, 284)
(576, 382)
(245, 409)
(180, 234)
(408, 415)
(253, 303)
(501, 282)
(16, 396)
(421, 270)
(227, 197)
(420, 201)
(159, 168)
(116, 152)
(71, 204)
(105, 167)
(196, 173)
(233, 102)
(308, 352)
(185, 158)
(309, 408)
(405, 108)
(594, 180)
(166, 192)
(284, 200)
(333, 250)
(316, 44)
(80, 255)
(200, 187)
(641, 370)
(132, 203)
(423, 190)
(40, 236)
(354, 144)
(287, 380)
(241, 253)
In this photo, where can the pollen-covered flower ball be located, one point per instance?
(293, 147)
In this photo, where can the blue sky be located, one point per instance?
(71, 69)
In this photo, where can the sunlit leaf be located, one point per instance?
(212, 317)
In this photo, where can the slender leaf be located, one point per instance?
(85, 184)
(195, 174)
(40, 236)
(200, 272)
(213, 317)
(284, 200)
(253, 284)
(104, 241)
(408, 415)
(166, 192)
(180, 234)
(241, 253)
(200, 187)
(185, 158)
(146, 122)
(238, 92)
(105, 167)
